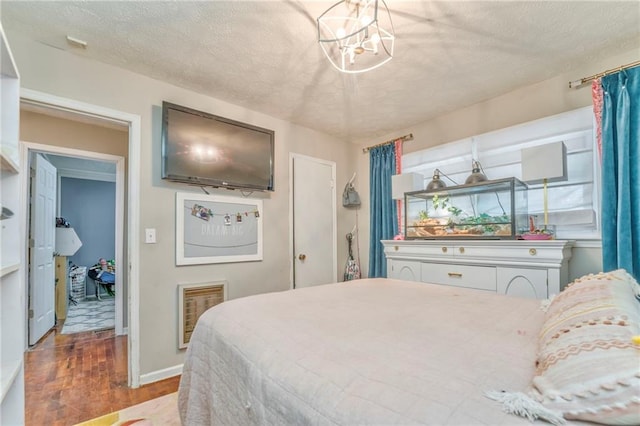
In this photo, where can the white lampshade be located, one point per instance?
(67, 242)
(547, 161)
(405, 182)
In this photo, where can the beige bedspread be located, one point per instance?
(372, 351)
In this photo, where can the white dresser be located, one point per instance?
(532, 269)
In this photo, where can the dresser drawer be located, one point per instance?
(478, 277)
(399, 251)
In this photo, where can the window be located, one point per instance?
(573, 205)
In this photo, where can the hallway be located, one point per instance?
(90, 315)
(72, 378)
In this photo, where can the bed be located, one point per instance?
(372, 351)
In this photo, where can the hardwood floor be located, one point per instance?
(72, 378)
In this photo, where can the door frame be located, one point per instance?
(332, 164)
(133, 122)
(119, 208)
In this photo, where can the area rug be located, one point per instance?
(162, 411)
(90, 315)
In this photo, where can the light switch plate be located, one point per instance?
(150, 235)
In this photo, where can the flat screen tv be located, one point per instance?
(203, 149)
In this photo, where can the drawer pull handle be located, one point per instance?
(396, 248)
(461, 249)
(444, 249)
(455, 275)
(533, 251)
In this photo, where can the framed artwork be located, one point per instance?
(217, 229)
(193, 301)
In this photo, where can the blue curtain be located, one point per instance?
(621, 171)
(383, 219)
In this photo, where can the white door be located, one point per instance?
(41, 265)
(314, 221)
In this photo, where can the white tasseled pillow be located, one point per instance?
(588, 365)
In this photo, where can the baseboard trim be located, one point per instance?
(158, 375)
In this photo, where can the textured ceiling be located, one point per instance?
(264, 55)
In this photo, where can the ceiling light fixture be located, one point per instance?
(357, 35)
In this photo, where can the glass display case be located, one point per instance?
(493, 209)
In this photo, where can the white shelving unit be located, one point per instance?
(7, 269)
(10, 108)
(12, 294)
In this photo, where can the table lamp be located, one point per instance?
(67, 242)
(404, 182)
(543, 164)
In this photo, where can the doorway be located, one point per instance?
(75, 161)
(127, 254)
(86, 216)
(313, 204)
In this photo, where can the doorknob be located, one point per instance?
(302, 257)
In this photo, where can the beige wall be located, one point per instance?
(528, 103)
(57, 131)
(63, 74)
(587, 259)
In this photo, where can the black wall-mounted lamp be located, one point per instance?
(437, 183)
(476, 174)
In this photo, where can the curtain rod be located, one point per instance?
(404, 138)
(578, 83)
